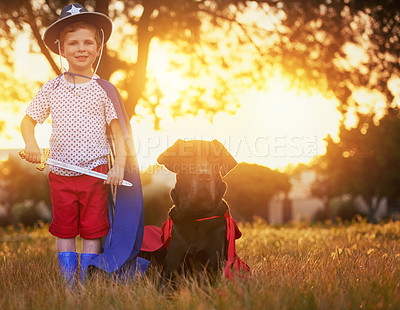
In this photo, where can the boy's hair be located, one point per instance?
(80, 25)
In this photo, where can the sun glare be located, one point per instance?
(275, 128)
(10, 137)
(30, 66)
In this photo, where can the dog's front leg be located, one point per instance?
(176, 252)
(215, 247)
(175, 255)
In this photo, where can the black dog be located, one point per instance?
(198, 235)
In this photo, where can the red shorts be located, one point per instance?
(79, 205)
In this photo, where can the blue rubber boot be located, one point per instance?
(68, 262)
(86, 259)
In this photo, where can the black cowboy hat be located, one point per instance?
(74, 13)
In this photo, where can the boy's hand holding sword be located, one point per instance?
(32, 154)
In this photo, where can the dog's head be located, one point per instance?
(199, 167)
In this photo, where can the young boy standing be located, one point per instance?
(81, 112)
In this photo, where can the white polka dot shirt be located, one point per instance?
(79, 114)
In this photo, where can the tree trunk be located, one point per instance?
(31, 21)
(137, 83)
(327, 208)
(287, 209)
(373, 207)
(107, 66)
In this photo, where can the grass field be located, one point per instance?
(299, 266)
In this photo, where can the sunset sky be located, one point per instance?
(277, 127)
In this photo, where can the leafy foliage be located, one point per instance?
(234, 43)
(340, 45)
(365, 162)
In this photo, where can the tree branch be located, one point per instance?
(138, 82)
(241, 26)
(30, 20)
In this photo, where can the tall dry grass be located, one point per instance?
(299, 266)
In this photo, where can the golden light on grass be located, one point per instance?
(300, 273)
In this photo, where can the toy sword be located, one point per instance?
(44, 159)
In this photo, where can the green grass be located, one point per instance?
(298, 266)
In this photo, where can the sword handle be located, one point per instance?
(21, 154)
(43, 158)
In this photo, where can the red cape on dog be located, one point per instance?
(156, 238)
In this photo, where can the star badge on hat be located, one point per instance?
(74, 10)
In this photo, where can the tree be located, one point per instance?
(318, 38)
(309, 41)
(176, 21)
(365, 162)
(327, 183)
(251, 188)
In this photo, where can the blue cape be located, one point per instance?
(125, 207)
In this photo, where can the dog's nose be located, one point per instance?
(202, 193)
(204, 177)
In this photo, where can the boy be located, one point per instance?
(81, 111)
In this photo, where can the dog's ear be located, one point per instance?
(226, 160)
(220, 190)
(170, 157)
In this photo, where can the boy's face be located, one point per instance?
(80, 50)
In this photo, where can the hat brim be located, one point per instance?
(99, 20)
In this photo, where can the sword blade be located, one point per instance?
(92, 173)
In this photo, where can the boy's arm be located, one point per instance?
(32, 151)
(116, 173)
